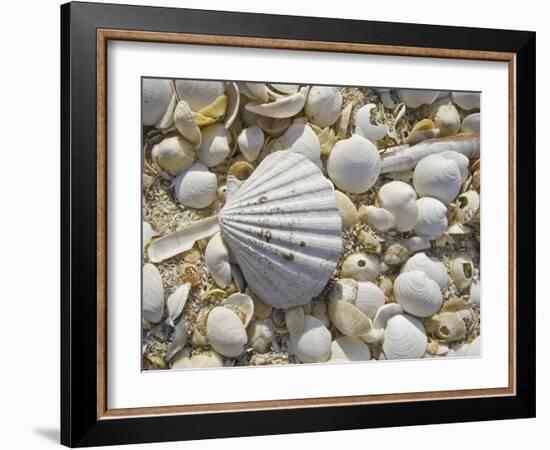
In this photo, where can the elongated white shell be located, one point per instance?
(282, 107)
(354, 164)
(369, 298)
(156, 100)
(251, 141)
(186, 125)
(399, 198)
(433, 267)
(196, 187)
(216, 257)
(413, 98)
(347, 348)
(472, 124)
(323, 105)
(347, 209)
(405, 338)
(300, 138)
(226, 332)
(215, 146)
(313, 344)
(349, 319)
(173, 155)
(417, 293)
(369, 130)
(438, 177)
(379, 218)
(432, 218)
(199, 94)
(177, 300)
(284, 229)
(153, 294)
(233, 104)
(466, 100)
(361, 267)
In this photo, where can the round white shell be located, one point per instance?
(251, 141)
(432, 218)
(361, 267)
(199, 94)
(369, 298)
(226, 332)
(432, 266)
(347, 348)
(215, 146)
(379, 218)
(156, 100)
(323, 105)
(216, 256)
(153, 293)
(405, 338)
(466, 100)
(287, 258)
(438, 177)
(196, 187)
(417, 293)
(413, 98)
(354, 164)
(173, 155)
(399, 198)
(313, 344)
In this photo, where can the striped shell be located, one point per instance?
(284, 230)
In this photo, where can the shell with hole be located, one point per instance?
(251, 141)
(216, 256)
(361, 267)
(399, 199)
(347, 348)
(364, 126)
(438, 177)
(417, 293)
(216, 145)
(158, 101)
(313, 344)
(432, 218)
(467, 206)
(281, 108)
(432, 266)
(354, 164)
(173, 155)
(226, 332)
(414, 98)
(404, 338)
(447, 327)
(323, 105)
(153, 294)
(196, 187)
(378, 218)
(461, 269)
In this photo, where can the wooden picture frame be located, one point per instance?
(85, 417)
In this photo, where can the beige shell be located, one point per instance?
(370, 242)
(282, 107)
(216, 145)
(323, 105)
(199, 94)
(347, 209)
(448, 327)
(226, 332)
(413, 98)
(216, 256)
(466, 100)
(345, 289)
(361, 267)
(399, 198)
(349, 319)
(251, 141)
(378, 218)
(467, 206)
(204, 360)
(404, 338)
(186, 125)
(438, 177)
(447, 120)
(461, 269)
(369, 298)
(260, 334)
(153, 294)
(433, 267)
(196, 187)
(417, 293)
(173, 155)
(432, 218)
(294, 319)
(386, 286)
(255, 91)
(472, 124)
(425, 129)
(347, 348)
(313, 344)
(158, 99)
(365, 127)
(395, 254)
(245, 305)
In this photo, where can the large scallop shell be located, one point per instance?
(417, 293)
(405, 338)
(284, 230)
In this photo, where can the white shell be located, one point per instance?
(416, 243)
(282, 107)
(399, 198)
(260, 335)
(233, 104)
(472, 124)
(347, 348)
(295, 320)
(186, 125)
(323, 105)
(251, 141)
(354, 164)
(369, 130)
(215, 146)
(417, 293)
(349, 319)
(313, 344)
(153, 293)
(347, 209)
(466, 100)
(432, 218)
(438, 177)
(385, 313)
(475, 293)
(300, 138)
(286, 258)
(177, 300)
(413, 98)
(345, 289)
(216, 256)
(433, 267)
(156, 97)
(461, 269)
(255, 91)
(173, 155)
(379, 218)
(199, 94)
(369, 298)
(244, 303)
(405, 338)
(196, 187)
(226, 332)
(462, 162)
(286, 88)
(147, 234)
(447, 120)
(467, 206)
(361, 267)
(203, 360)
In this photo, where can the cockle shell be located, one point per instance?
(354, 164)
(244, 304)
(466, 100)
(413, 98)
(199, 94)
(153, 293)
(177, 300)
(462, 162)
(347, 348)
(433, 267)
(157, 97)
(173, 155)
(226, 332)
(313, 344)
(461, 269)
(432, 218)
(196, 187)
(417, 293)
(286, 258)
(438, 177)
(186, 125)
(282, 107)
(447, 120)
(405, 338)
(251, 141)
(300, 138)
(216, 145)
(378, 218)
(347, 209)
(323, 105)
(399, 198)
(361, 267)
(369, 298)
(365, 127)
(260, 335)
(294, 320)
(216, 256)
(467, 206)
(472, 124)
(349, 319)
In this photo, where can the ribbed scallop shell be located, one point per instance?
(284, 229)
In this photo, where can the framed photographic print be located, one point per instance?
(278, 224)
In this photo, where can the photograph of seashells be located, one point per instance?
(297, 224)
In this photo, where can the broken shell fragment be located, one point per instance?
(226, 332)
(241, 170)
(251, 141)
(448, 327)
(345, 289)
(313, 344)
(347, 348)
(467, 206)
(191, 274)
(196, 187)
(273, 127)
(361, 267)
(244, 304)
(417, 293)
(425, 129)
(385, 313)
(199, 94)
(186, 125)
(323, 105)
(176, 301)
(367, 129)
(153, 293)
(395, 254)
(282, 107)
(447, 120)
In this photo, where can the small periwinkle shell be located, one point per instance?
(347, 209)
(433, 267)
(251, 141)
(173, 155)
(413, 98)
(405, 338)
(361, 267)
(153, 294)
(177, 300)
(323, 105)
(260, 335)
(432, 218)
(417, 293)
(313, 344)
(447, 120)
(462, 270)
(347, 348)
(226, 332)
(399, 198)
(215, 146)
(438, 177)
(354, 164)
(196, 187)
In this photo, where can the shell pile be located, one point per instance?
(287, 224)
